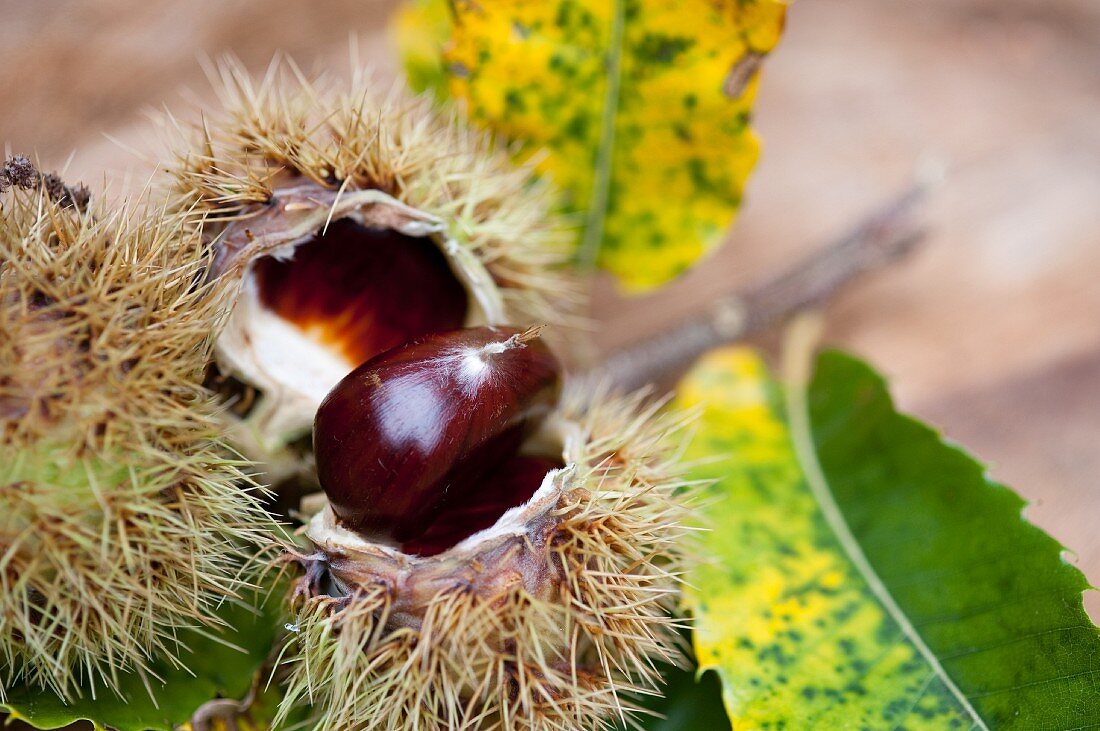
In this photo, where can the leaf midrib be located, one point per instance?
(589, 251)
(799, 362)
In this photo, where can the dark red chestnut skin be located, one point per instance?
(363, 290)
(415, 428)
(512, 483)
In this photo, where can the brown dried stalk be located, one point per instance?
(877, 241)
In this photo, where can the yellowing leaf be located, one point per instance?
(866, 575)
(781, 615)
(638, 109)
(421, 28)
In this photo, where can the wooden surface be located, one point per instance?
(991, 332)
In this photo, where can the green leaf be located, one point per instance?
(868, 575)
(687, 703)
(217, 670)
(638, 109)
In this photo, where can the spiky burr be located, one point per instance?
(123, 515)
(554, 617)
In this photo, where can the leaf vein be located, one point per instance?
(916, 700)
(589, 251)
(800, 347)
(1012, 641)
(1032, 684)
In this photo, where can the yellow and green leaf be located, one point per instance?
(637, 109)
(867, 575)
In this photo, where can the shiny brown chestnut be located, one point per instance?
(418, 427)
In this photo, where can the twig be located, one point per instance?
(882, 238)
(226, 710)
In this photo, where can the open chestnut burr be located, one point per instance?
(498, 548)
(345, 224)
(490, 555)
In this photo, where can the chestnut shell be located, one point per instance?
(418, 427)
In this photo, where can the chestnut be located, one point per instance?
(419, 427)
(529, 584)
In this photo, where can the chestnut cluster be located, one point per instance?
(499, 548)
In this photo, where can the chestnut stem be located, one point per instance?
(516, 341)
(882, 238)
(226, 710)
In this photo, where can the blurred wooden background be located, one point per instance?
(991, 332)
